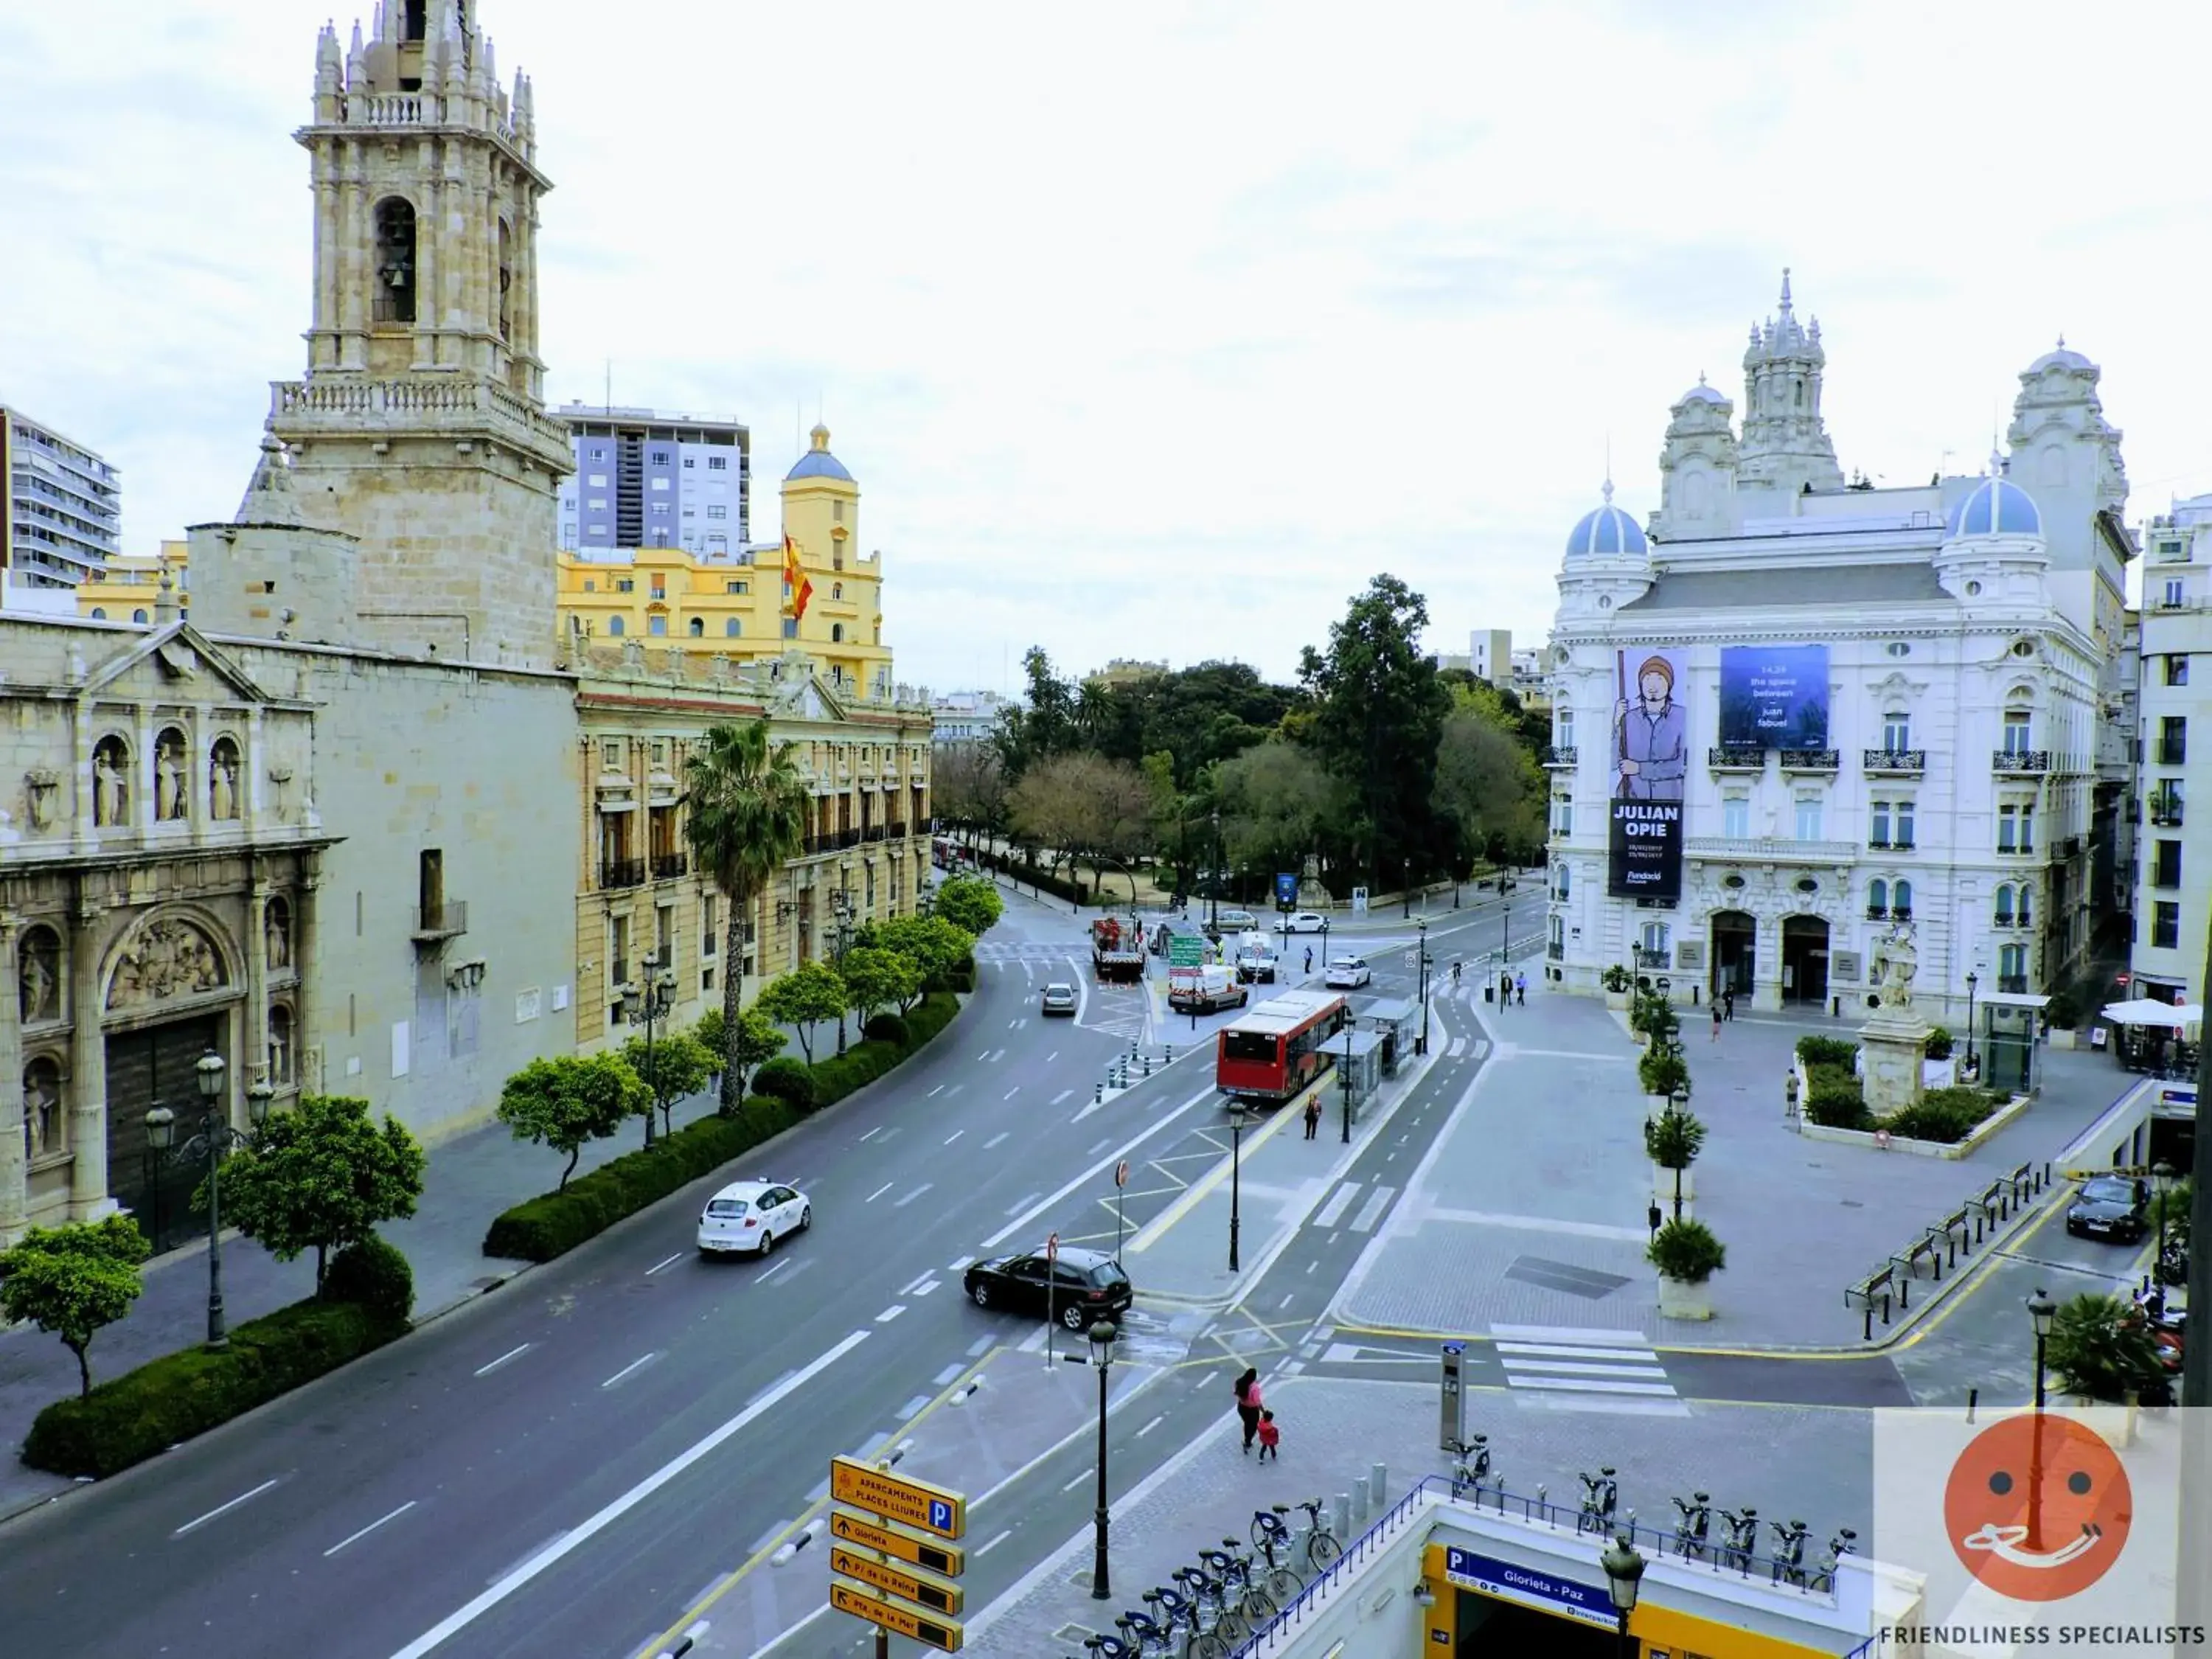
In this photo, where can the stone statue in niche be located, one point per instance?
(40, 997)
(276, 934)
(111, 784)
(223, 783)
(42, 1108)
(279, 1047)
(168, 959)
(171, 793)
(39, 785)
(281, 777)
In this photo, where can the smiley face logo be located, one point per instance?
(2038, 1507)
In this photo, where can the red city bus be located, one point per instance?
(1274, 1049)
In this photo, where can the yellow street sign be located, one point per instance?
(946, 1558)
(917, 1503)
(943, 1634)
(933, 1594)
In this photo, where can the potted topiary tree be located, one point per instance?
(1616, 982)
(1687, 1255)
(1673, 1139)
(2102, 1349)
(1664, 1073)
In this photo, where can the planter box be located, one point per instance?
(1679, 1299)
(1617, 1000)
(1938, 1073)
(2061, 1037)
(1989, 1126)
(1662, 1184)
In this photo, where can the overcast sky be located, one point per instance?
(1157, 329)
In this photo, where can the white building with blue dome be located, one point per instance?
(1950, 650)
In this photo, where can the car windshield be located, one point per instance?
(726, 1206)
(2110, 1190)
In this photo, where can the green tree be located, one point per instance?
(74, 1281)
(1378, 711)
(570, 1099)
(878, 978)
(756, 1041)
(932, 944)
(1274, 800)
(1205, 714)
(1082, 805)
(803, 997)
(678, 1066)
(969, 786)
(319, 1177)
(1488, 782)
(1044, 725)
(2101, 1347)
(970, 904)
(745, 818)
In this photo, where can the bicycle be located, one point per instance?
(1210, 1610)
(1843, 1544)
(1470, 1464)
(1322, 1550)
(1269, 1533)
(1789, 1565)
(1742, 1538)
(1234, 1566)
(1691, 1530)
(1600, 1494)
(1108, 1647)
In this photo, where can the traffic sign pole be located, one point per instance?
(1051, 1284)
(1120, 1206)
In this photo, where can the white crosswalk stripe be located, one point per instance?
(1562, 1367)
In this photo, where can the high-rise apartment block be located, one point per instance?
(64, 505)
(646, 479)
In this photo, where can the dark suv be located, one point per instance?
(1078, 1288)
(2111, 1207)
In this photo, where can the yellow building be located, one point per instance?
(127, 589)
(740, 607)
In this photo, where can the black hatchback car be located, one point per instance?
(1080, 1287)
(2111, 1207)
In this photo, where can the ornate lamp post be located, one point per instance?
(1102, 1357)
(2042, 1310)
(1213, 897)
(841, 913)
(214, 1138)
(648, 1006)
(1346, 1080)
(1675, 1103)
(1235, 1167)
(1421, 945)
(1624, 1577)
(1973, 979)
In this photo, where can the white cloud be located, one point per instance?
(1157, 332)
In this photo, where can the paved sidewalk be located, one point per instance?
(1784, 1460)
(1531, 1208)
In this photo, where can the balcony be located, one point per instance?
(1878, 844)
(848, 838)
(1736, 760)
(2166, 814)
(1900, 912)
(2011, 923)
(1894, 762)
(1559, 753)
(1556, 951)
(622, 872)
(2016, 761)
(1769, 849)
(1877, 911)
(2025, 850)
(873, 832)
(667, 866)
(2070, 848)
(436, 923)
(1810, 760)
(2013, 984)
(897, 831)
(1654, 961)
(2172, 754)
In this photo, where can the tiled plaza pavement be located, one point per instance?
(1811, 1463)
(1531, 1208)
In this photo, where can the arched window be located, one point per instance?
(99, 613)
(697, 628)
(1877, 897)
(111, 781)
(138, 616)
(614, 625)
(837, 633)
(836, 590)
(394, 301)
(2011, 968)
(2026, 905)
(2004, 905)
(1901, 899)
(44, 1124)
(222, 780)
(734, 629)
(506, 276)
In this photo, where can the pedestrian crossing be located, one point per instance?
(1024, 951)
(1565, 1368)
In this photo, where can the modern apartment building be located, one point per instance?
(647, 479)
(2174, 850)
(64, 505)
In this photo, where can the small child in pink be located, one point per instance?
(1270, 1436)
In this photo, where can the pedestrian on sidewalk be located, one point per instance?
(1716, 1022)
(1270, 1437)
(1504, 990)
(1789, 1095)
(1455, 973)
(1313, 1117)
(1248, 1405)
(1520, 989)
(1727, 1003)
(1308, 958)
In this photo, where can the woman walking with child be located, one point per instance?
(1247, 1406)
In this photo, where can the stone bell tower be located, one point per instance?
(420, 428)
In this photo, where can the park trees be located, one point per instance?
(802, 999)
(570, 1099)
(875, 977)
(970, 903)
(321, 1176)
(74, 1281)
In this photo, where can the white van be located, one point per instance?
(1254, 957)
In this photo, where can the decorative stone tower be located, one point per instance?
(1696, 469)
(1785, 444)
(420, 428)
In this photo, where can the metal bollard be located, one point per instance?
(1973, 1398)
(1170, 1061)
(1148, 1065)
(1377, 1476)
(1358, 1507)
(1097, 1093)
(1340, 1515)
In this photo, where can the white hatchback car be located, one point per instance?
(1346, 973)
(748, 1217)
(1306, 922)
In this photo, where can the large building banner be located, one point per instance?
(1774, 697)
(1650, 763)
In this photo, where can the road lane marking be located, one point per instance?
(1285, 1302)
(910, 1409)
(486, 1370)
(927, 1286)
(878, 1129)
(954, 1136)
(997, 1539)
(1371, 1211)
(1003, 1134)
(1458, 1048)
(1051, 1057)
(960, 1264)
(909, 1289)
(455, 1622)
(634, 1365)
(222, 1508)
(1011, 1092)
(985, 1055)
(1020, 1204)
(367, 1529)
(1061, 1096)
(933, 1093)
(879, 1192)
(891, 1313)
(1024, 1219)
(786, 1263)
(999, 1053)
(658, 1266)
(1339, 1202)
(1077, 1481)
(1100, 1147)
(1149, 1426)
(901, 1203)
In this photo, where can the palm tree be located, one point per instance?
(747, 819)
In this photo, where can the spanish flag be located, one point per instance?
(797, 589)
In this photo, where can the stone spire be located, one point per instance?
(270, 498)
(1785, 447)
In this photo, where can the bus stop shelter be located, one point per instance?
(1357, 1055)
(1397, 1021)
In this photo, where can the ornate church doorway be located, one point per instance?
(1735, 952)
(1804, 959)
(145, 1068)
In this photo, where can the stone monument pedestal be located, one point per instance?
(1891, 1050)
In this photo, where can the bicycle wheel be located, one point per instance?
(1260, 1608)
(1209, 1646)
(1322, 1551)
(1283, 1586)
(1262, 1530)
(1229, 1626)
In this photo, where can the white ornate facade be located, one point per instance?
(1968, 626)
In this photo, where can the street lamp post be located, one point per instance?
(215, 1137)
(1422, 944)
(1624, 1577)
(2161, 1184)
(1102, 1357)
(1213, 887)
(1236, 1183)
(1324, 947)
(840, 915)
(1675, 1103)
(1346, 1080)
(646, 1007)
(2041, 1310)
(1973, 979)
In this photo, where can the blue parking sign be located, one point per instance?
(940, 1515)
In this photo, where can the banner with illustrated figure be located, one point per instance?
(1774, 697)
(1650, 763)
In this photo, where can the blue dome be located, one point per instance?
(1997, 507)
(1605, 532)
(818, 462)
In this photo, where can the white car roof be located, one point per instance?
(747, 1188)
(1347, 962)
(1058, 985)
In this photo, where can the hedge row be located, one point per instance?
(1947, 1116)
(552, 1224)
(1029, 875)
(179, 1396)
(1827, 1051)
(1834, 1097)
